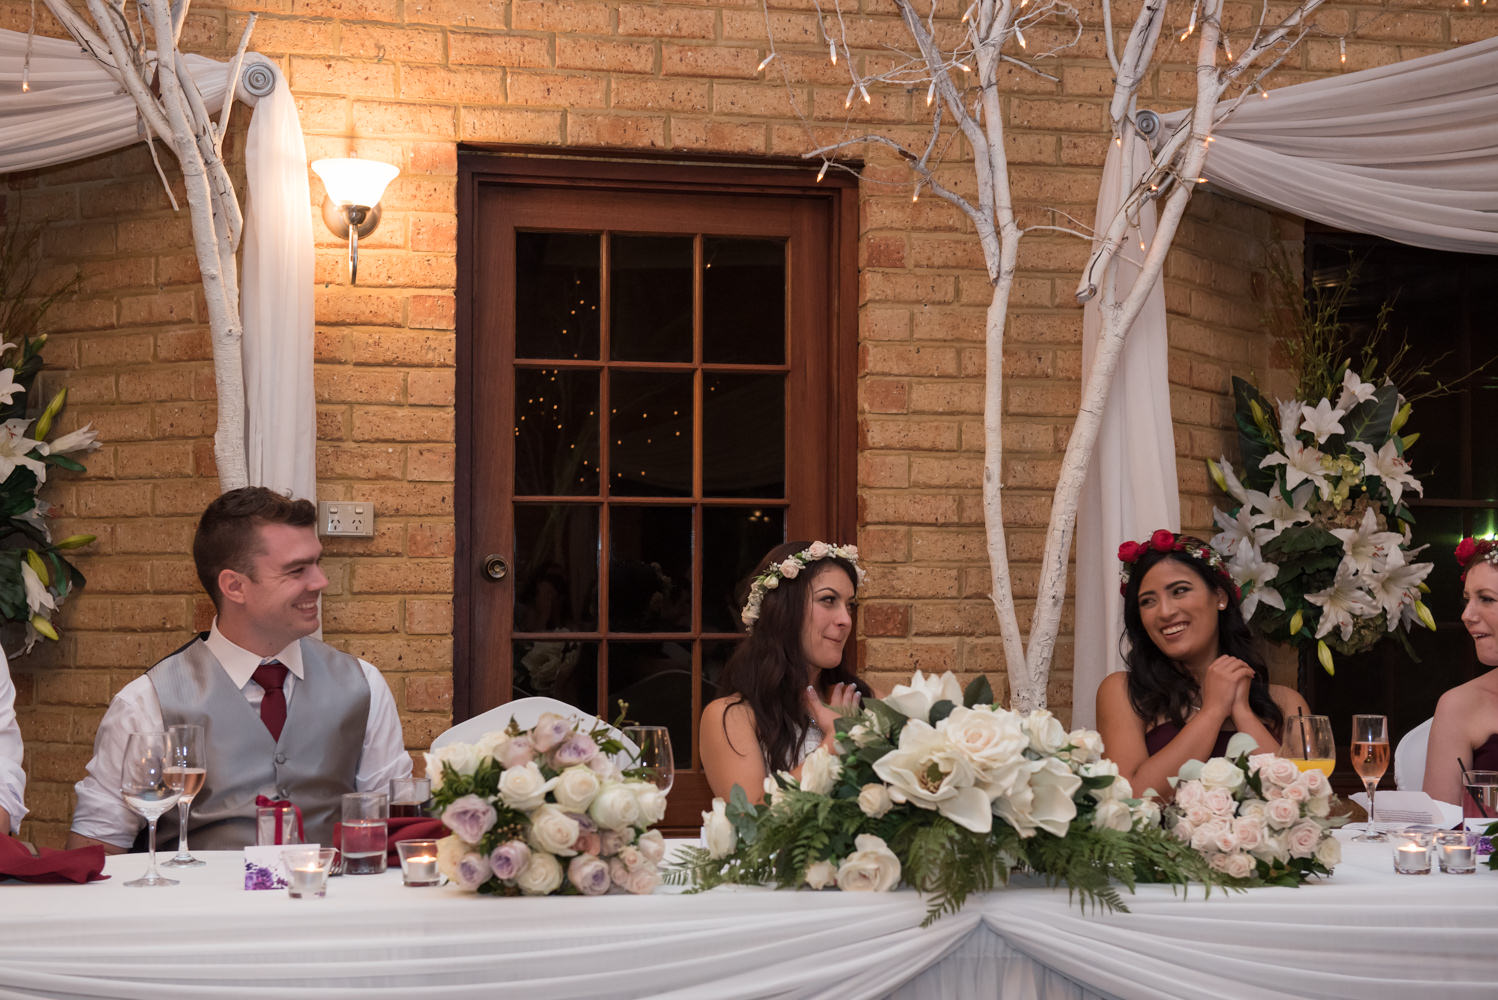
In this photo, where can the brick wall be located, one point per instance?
(405, 81)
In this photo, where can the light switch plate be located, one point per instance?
(346, 518)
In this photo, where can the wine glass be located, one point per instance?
(186, 773)
(1308, 743)
(655, 757)
(1370, 758)
(144, 787)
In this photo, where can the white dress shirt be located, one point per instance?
(102, 815)
(12, 778)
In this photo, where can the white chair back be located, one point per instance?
(1409, 758)
(526, 712)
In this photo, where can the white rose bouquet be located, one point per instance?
(1256, 817)
(945, 791)
(543, 811)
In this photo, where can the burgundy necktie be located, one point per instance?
(273, 706)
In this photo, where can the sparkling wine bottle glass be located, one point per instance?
(655, 757)
(186, 773)
(1308, 743)
(144, 787)
(1370, 758)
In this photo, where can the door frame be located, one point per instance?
(635, 172)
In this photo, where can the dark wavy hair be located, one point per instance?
(1159, 687)
(767, 673)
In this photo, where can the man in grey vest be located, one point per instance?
(283, 715)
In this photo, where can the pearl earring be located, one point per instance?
(1223, 606)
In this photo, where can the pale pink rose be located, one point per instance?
(1206, 836)
(652, 845)
(1279, 771)
(517, 753)
(1188, 794)
(1255, 808)
(587, 842)
(790, 569)
(1235, 865)
(631, 857)
(1220, 801)
(1281, 813)
(1257, 761)
(1298, 791)
(642, 880)
(1183, 830)
(589, 874)
(1227, 840)
(618, 873)
(819, 550)
(1199, 814)
(1302, 838)
(1317, 783)
(549, 731)
(1249, 830)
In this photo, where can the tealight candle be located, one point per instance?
(418, 862)
(1458, 859)
(306, 882)
(1411, 859)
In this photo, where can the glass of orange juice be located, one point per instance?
(1308, 742)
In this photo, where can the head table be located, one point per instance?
(1364, 934)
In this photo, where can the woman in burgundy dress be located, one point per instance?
(1466, 723)
(1194, 674)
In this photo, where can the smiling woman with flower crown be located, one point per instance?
(790, 677)
(1194, 673)
(1465, 728)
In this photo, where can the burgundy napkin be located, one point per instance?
(401, 828)
(85, 864)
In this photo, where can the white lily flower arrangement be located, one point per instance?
(1318, 534)
(945, 791)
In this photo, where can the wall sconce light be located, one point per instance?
(352, 207)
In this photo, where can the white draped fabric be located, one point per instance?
(75, 109)
(1365, 934)
(1408, 152)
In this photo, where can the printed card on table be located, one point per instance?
(264, 866)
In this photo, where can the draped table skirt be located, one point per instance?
(1364, 934)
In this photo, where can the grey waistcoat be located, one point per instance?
(313, 763)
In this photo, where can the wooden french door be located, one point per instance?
(653, 395)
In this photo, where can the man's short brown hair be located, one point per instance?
(227, 532)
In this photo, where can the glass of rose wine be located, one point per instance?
(144, 787)
(1370, 758)
(185, 773)
(1308, 743)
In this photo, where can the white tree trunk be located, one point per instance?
(178, 115)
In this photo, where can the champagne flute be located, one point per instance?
(186, 774)
(1370, 758)
(654, 743)
(145, 790)
(1308, 743)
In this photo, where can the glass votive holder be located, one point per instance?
(307, 871)
(1456, 852)
(408, 797)
(1412, 851)
(418, 862)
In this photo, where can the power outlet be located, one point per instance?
(346, 518)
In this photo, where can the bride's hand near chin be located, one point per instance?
(842, 699)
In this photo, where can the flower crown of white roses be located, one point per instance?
(789, 568)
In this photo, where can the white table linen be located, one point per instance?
(1365, 934)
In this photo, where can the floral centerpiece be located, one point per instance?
(35, 577)
(545, 810)
(1256, 816)
(1318, 533)
(945, 791)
